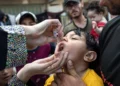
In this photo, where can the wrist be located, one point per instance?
(24, 74)
(15, 81)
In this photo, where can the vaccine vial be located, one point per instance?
(55, 33)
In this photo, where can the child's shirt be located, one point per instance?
(99, 24)
(90, 78)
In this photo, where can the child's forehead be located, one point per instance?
(74, 32)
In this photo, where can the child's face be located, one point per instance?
(74, 44)
(27, 21)
(94, 16)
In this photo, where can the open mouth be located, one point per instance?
(60, 47)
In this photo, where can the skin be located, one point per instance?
(77, 62)
(42, 66)
(77, 53)
(71, 79)
(42, 33)
(95, 16)
(75, 11)
(60, 58)
(5, 76)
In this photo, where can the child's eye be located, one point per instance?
(74, 38)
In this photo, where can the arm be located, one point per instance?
(41, 66)
(46, 27)
(13, 39)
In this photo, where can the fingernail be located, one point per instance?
(70, 63)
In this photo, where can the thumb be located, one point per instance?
(71, 69)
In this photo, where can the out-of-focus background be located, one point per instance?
(43, 9)
(35, 6)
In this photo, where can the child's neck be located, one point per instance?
(79, 69)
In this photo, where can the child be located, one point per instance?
(34, 52)
(96, 14)
(82, 49)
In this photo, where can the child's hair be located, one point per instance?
(94, 5)
(92, 45)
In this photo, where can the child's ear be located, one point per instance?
(90, 56)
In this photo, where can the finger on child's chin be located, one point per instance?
(64, 60)
(71, 69)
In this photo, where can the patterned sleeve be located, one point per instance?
(15, 29)
(16, 45)
(16, 82)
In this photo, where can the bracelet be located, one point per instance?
(15, 81)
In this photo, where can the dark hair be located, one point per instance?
(94, 5)
(93, 45)
(1, 15)
(26, 16)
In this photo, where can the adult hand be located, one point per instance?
(46, 27)
(42, 66)
(71, 79)
(42, 33)
(51, 25)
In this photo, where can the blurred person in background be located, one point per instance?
(6, 19)
(34, 52)
(96, 13)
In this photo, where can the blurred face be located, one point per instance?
(5, 75)
(27, 21)
(112, 5)
(74, 9)
(75, 45)
(94, 16)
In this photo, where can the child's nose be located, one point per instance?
(64, 39)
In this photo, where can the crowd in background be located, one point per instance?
(90, 19)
